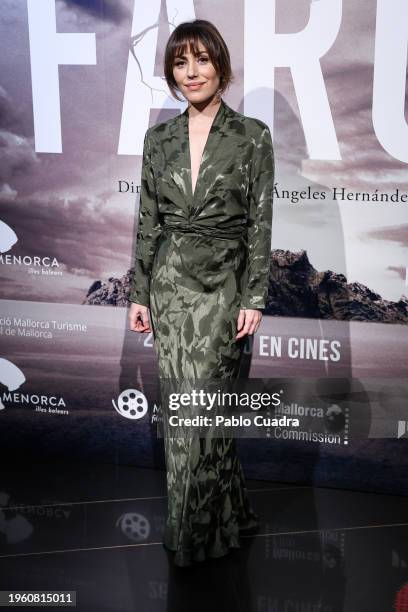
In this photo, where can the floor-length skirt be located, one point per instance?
(194, 305)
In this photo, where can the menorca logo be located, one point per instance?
(11, 376)
(8, 237)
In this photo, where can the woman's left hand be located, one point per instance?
(248, 322)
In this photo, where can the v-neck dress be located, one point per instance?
(199, 259)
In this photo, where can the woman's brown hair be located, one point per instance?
(190, 33)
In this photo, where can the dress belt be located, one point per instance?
(213, 232)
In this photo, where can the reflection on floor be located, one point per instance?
(97, 530)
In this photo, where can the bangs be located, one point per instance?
(189, 40)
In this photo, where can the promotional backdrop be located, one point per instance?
(81, 81)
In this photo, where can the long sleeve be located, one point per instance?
(148, 232)
(260, 200)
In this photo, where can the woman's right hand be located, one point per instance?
(139, 318)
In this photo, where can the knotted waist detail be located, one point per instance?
(232, 233)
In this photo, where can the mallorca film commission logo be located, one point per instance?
(134, 526)
(337, 420)
(402, 429)
(132, 404)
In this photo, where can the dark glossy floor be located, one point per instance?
(97, 529)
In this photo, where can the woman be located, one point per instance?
(202, 266)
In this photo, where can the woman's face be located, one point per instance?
(196, 76)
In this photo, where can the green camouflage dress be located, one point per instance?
(199, 259)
